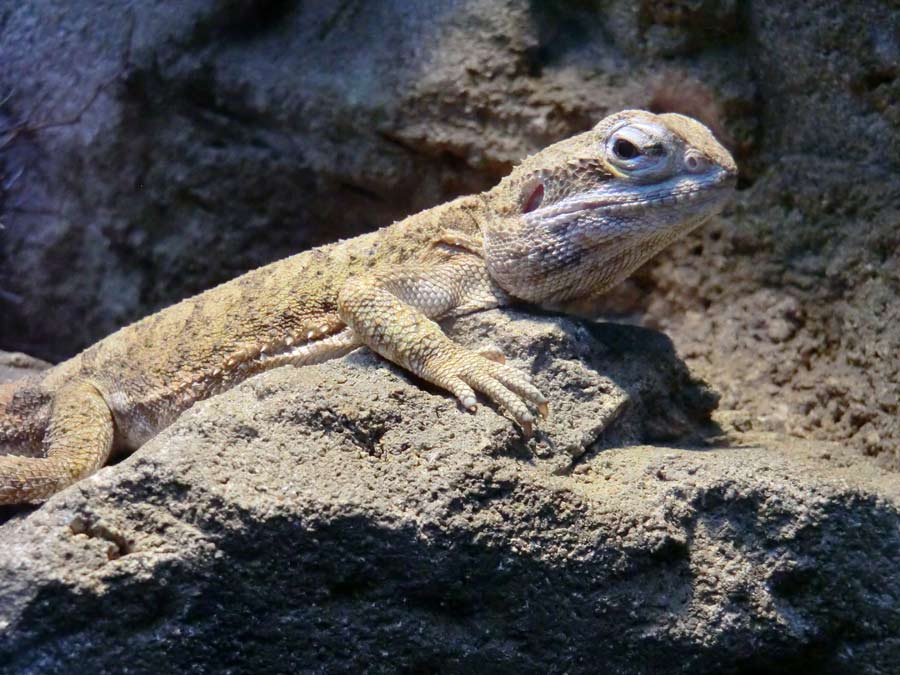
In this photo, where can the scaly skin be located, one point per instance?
(570, 221)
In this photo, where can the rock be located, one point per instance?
(342, 518)
(16, 365)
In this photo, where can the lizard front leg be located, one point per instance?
(392, 313)
(78, 441)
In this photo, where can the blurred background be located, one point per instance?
(151, 150)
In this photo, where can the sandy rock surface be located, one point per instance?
(341, 518)
(16, 365)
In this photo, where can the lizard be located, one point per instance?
(568, 222)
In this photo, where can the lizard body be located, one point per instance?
(569, 221)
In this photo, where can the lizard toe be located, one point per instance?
(484, 381)
(463, 392)
(521, 384)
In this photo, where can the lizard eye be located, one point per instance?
(534, 198)
(638, 150)
(625, 149)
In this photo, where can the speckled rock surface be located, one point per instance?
(340, 518)
(15, 365)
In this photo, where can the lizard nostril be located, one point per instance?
(695, 163)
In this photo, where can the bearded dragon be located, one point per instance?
(568, 222)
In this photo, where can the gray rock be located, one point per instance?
(342, 518)
(16, 365)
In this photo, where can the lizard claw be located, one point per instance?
(492, 353)
(527, 429)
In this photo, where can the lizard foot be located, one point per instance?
(464, 372)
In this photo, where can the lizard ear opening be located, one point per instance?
(534, 199)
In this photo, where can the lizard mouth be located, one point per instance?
(670, 195)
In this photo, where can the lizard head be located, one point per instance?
(581, 215)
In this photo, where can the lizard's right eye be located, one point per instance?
(637, 151)
(625, 149)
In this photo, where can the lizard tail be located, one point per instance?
(31, 479)
(79, 439)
